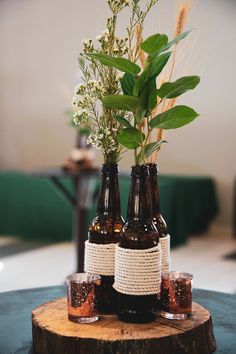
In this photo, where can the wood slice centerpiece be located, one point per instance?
(53, 333)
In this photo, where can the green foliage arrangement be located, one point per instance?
(128, 102)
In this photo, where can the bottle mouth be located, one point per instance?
(153, 168)
(110, 168)
(140, 171)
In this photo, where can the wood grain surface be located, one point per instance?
(54, 333)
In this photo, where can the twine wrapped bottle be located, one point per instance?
(139, 235)
(104, 231)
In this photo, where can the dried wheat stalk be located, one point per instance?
(181, 17)
(139, 39)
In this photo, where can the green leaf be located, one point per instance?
(121, 64)
(153, 69)
(122, 102)
(123, 121)
(149, 97)
(150, 148)
(174, 118)
(157, 65)
(140, 114)
(127, 84)
(152, 96)
(131, 138)
(154, 43)
(170, 44)
(177, 39)
(177, 88)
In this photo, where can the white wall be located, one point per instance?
(39, 43)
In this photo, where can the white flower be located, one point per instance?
(92, 83)
(79, 89)
(88, 45)
(117, 5)
(103, 38)
(76, 120)
(81, 116)
(105, 32)
(86, 41)
(125, 49)
(107, 131)
(93, 140)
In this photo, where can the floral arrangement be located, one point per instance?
(124, 103)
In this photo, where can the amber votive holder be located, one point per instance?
(82, 290)
(176, 295)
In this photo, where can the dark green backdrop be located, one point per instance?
(32, 208)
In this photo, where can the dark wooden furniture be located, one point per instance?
(81, 200)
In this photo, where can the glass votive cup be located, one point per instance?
(82, 289)
(176, 295)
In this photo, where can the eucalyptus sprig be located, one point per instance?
(141, 96)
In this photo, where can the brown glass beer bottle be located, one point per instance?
(138, 233)
(106, 228)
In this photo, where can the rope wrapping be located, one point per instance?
(137, 272)
(99, 259)
(165, 253)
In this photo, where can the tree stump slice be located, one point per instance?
(54, 333)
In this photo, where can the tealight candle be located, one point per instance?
(82, 290)
(176, 295)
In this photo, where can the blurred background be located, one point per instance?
(40, 42)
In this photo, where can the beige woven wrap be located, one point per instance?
(99, 259)
(165, 253)
(137, 272)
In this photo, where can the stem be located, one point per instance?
(173, 62)
(136, 157)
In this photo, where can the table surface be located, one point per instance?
(16, 307)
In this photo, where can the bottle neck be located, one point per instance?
(139, 206)
(109, 195)
(154, 188)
